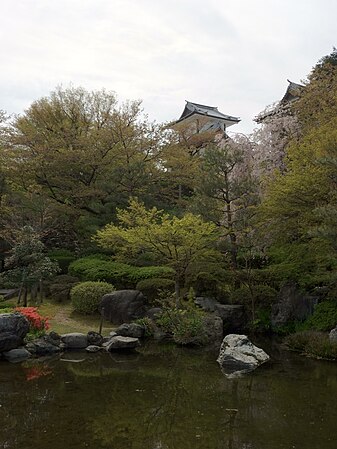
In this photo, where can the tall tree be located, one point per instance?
(83, 150)
(226, 192)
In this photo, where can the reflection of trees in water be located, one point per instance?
(170, 403)
(23, 403)
(170, 398)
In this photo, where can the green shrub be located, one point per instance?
(262, 294)
(2, 298)
(148, 324)
(314, 344)
(324, 317)
(6, 307)
(139, 273)
(206, 284)
(86, 296)
(63, 257)
(153, 286)
(186, 325)
(61, 286)
(119, 274)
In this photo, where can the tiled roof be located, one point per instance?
(208, 111)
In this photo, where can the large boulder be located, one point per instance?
(238, 355)
(13, 329)
(44, 346)
(123, 306)
(122, 343)
(292, 305)
(75, 340)
(233, 316)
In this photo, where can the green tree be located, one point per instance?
(299, 209)
(227, 192)
(176, 242)
(84, 152)
(27, 264)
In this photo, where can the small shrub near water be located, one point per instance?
(185, 324)
(86, 296)
(314, 344)
(148, 324)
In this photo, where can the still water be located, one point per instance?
(167, 398)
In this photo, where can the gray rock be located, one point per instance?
(43, 346)
(75, 340)
(131, 330)
(214, 329)
(123, 306)
(233, 316)
(112, 334)
(292, 305)
(154, 313)
(238, 355)
(54, 336)
(207, 304)
(94, 338)
(93, 348)
(125, 343)
(333, 336)
(13, 329)
(16, 355)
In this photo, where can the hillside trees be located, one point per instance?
(83, 151)
(299, 209)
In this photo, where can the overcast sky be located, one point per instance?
(236, 55)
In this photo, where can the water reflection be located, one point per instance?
(167, 398)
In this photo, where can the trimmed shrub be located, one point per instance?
(153, 286)
(86, 296)
(63, 257)
(61, 286)
(119, 274)
(324, 317)
(5, 307)
(206, 284)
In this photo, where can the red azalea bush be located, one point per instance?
(38, 324)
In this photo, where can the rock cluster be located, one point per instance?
(14, 327)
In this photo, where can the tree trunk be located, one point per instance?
(25, 296)
(177, 290)
(33, 292)
(41, 291)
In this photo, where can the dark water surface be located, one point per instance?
(167, 398)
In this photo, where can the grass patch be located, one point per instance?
(64, 319)
(312, 344)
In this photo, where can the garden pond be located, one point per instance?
(166, 397)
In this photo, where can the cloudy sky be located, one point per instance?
(236, 55)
